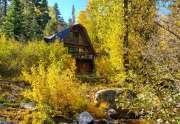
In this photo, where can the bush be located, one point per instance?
(53, 79)
(48, 68)
(10, 52)
(155, 79)
(35, 118)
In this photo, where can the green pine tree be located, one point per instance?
(43, 17)
(3, 6)
(52, 25)
(58, 15)
(31, 26)
(13, 24)
(3, 10)
(56, 23)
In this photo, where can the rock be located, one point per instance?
(86, 118)
(125, 114)
(61, 119)
(11, 98)
(7, 122)
(107, 95)
(159, 121)
(14, 91)
(75, 122)
(167, 122)
(1, 106)
(112, 114)
(103, 121)
(178, 105)
(30, 105)
(22, 84)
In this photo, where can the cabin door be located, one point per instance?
(84, 66)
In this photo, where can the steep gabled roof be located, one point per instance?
(83, 32)
(78, 27)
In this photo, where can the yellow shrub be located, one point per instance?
(53, 81)
(9, 57)
(34, 118)
(97, 112)
(48, 68)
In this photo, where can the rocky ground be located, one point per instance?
(12, 103)
(14, 107)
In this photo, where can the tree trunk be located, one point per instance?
(126, 35)
(5, 7)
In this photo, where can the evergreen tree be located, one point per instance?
(58, 14)
(13, 24)
(31, 27)
(69, 22)
(3, 10)
(43, 16)
(56, 23)
(3, 6)
(52, 26)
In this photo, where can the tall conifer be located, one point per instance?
(13, 24)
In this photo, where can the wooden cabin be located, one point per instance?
(77, 41)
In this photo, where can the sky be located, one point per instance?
(162, 8)
(65, 7)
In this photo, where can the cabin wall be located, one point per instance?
(84, 66)
(80, 49)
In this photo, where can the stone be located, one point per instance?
(178, 105)
(112, 114)
(1, 106)
(124, 114)
(86, 118)
(11, 98)
(167, 122)
(159, 121)
(61, 119)
(7, 123)
(75, 122)
(30, 105)
(103, 121)
(107, 95)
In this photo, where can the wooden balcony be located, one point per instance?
(83, 55)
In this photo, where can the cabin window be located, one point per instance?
(72, 50)
(83, 50)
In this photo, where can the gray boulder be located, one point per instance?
(10, 98)
(7, 122)
(1, 106)
(111, 113)
(30, 105)
(178, 105)
(86, 118)
(107, 95)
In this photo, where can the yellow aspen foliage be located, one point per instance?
(103, 22)
(53, 81)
